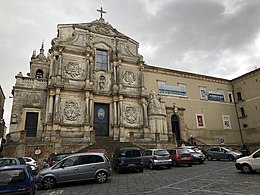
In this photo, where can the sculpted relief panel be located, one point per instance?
(71, 110)
(73, 69)
(129, 78)
(133, 115)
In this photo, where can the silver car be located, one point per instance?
(156, 157)
(76, 167)
(222, 153)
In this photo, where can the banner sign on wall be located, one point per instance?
(172, 90)
(211, 95)
(215, 96)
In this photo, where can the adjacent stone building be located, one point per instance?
(94, 82)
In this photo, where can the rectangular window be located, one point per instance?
(101, 60)
(242, 110)
(200, 120)
(230, 96)
(226, 121)
(239, 96)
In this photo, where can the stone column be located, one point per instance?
(50, 110)
(115, 112)
(115, 73)
(145, 118)
(121, 109)
(87, 107)
(60, 63)
(57, 106)
(51, 65)
(91, 106)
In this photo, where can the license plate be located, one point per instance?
(131, 165)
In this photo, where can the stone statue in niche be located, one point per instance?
(129, 77)
(73, 69)
(71, 110)
(102, 82)
(131, 114)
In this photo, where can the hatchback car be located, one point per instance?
(156, 157)
(250, 163)
(32, 162)
(11, 161)
(76, 167)
(222, 153)
(16, 179)
(198, 157)
(127, 159)
(180, 156)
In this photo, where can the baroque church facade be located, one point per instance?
(94, 82)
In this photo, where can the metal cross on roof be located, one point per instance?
(101, 12)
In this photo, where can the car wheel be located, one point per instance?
(174, 164)
(118, 169)
(151, 165)
(190, 164)
(141, 170)
(101, 177)
(209, 158)
(201, 162)
(231, 158)
(169, 166)
(246, 168)
(48, 182)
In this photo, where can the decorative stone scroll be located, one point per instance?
(129, 77)
(131, 114)
(73, 69)
(71, 110)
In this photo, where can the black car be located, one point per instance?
(127, 159)
(55, 157)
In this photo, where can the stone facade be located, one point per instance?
(95, 83)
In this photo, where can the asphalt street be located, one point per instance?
(210, 178)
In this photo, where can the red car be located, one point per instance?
(181, 156)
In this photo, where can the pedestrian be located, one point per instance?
(245, 151)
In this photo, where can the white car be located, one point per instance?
(250, 163)
(30, 161)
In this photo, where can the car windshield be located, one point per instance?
(130, 153)
(191, 150)
(183, 151)
(161, 153)
(12, 176)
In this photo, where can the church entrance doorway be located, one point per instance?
(101, 119)
(176, 127)
(31, 124)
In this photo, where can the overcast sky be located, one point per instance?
(219, 38)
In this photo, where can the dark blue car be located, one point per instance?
(16, 179)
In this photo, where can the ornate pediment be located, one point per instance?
(101, 27)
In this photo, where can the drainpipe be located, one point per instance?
(239, 126)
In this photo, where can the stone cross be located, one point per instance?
(101, 12)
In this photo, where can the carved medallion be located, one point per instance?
(131, 115)
(101, 114)
(129, 77)
(73, 69)
(71, 110)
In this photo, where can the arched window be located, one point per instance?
(39, 74)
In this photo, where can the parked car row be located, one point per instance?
(95, 165)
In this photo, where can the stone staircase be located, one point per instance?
(109, 145)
